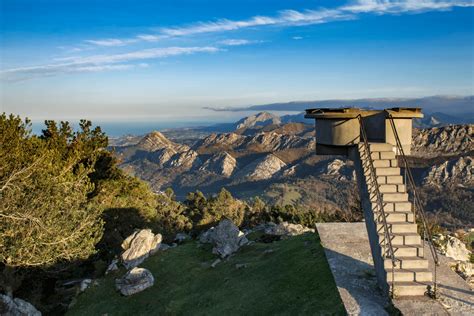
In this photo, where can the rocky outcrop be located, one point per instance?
(459, 170)
(134, 281)
(261, 169)
(162, 156)
(259, 119)
(222, 164)
(338, 169)
(456, 249)
(138, 246)
(272, 141)
(185, 160)
(218, 142)
(448, 140)
(286, 229)
(16, 307)
(226, 237)
(156, 140)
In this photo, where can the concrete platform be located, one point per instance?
(348, 251)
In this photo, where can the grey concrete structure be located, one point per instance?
(347, 249)
(338, 130)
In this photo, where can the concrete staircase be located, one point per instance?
(411, 276)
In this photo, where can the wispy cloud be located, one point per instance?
(97, 63)
(295, 18)
(111, 42)
(297, 38)
(238, 42)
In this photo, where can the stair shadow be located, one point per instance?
(357, 284)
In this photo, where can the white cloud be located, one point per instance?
(295, 18)
(111, 42)
(98, 63)
(297, 38)
(238, 42)
(413, 6)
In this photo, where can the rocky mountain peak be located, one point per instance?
(447, 140)
(155, 141)
(222, 163)
(259, 119)
(457, 170)
(262, 169)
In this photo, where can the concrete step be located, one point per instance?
(391, 217)
(410, 288)
(407, 239)
(395, 179)
(392, 171)
(390, 188)
(398, 227)
(393, 207)
(385, 163)
(395, 197)
(409, 275)
(407, 250)
(378, 147)
(407, 263)
(376, 155)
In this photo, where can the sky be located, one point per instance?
(166, 60)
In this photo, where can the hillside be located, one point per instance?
(290, 276)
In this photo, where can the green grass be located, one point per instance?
(294, 279)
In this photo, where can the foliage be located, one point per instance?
(44, 183)
(293, 279)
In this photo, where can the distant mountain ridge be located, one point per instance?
(454, 105)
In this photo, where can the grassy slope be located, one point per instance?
(293, 279)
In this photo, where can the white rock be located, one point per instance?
(85, 284)
(113, 266)
(134, 281)
(139, 246)
(226, 237)
(456, 249)
(286, 229)
(16, 307)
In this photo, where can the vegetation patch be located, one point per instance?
(290, 276)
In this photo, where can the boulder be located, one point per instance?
(16, 307)
(113, 266)
(456, 249)
(134, 281)
(181, 237)
(226, 237)
(286, 229)
(138, 246)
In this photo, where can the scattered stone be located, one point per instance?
(85, 284)
(226, 237)
(456, 249)
(113, 266)
(164, 247)
(173, 245)
(215, 263)
(138, 246)
(181, 237)
(240, 265)
(16, 307)
(267, 251)
(286, 229)
(134, 281)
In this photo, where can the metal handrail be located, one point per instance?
(375, 185)
(417, 203)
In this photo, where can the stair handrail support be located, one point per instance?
(418, 207)
(387, 238)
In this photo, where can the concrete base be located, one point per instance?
(348, 252)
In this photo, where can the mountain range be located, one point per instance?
(265, 156)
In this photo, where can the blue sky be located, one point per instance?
(166, 60)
